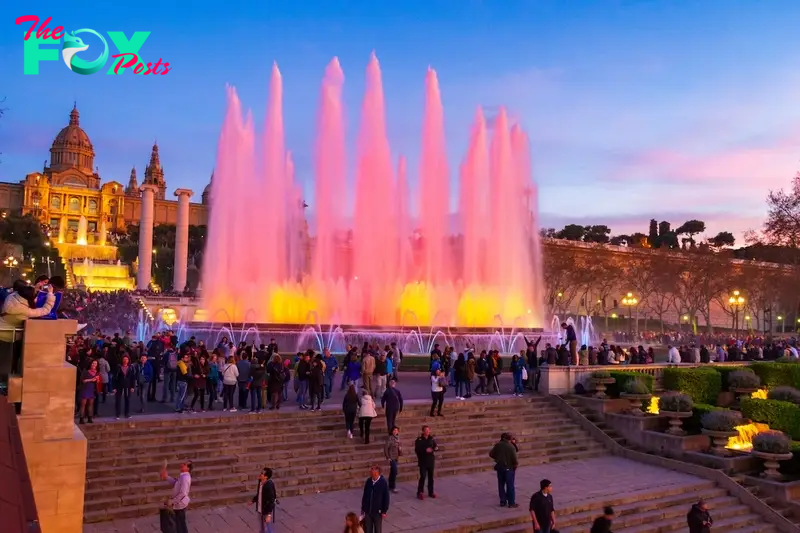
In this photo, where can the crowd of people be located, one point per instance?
(103, 311)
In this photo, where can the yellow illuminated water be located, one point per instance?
(413, 304)
(652, 409)
(760, 394)
(744, 440)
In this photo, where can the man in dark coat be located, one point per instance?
(392, 402)
(699, 519)
(374, 501)
(265, 500)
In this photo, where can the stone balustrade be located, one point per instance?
(562, 379)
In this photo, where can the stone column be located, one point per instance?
(181, 240)
(55, 449)
(146, 237)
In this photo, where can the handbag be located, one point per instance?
(524, 374)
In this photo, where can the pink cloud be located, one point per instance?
(751, 167)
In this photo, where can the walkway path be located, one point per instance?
(461, 499)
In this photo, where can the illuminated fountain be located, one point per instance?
(62, 230)
(82, 227)
(369, 265)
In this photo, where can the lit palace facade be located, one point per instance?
(70, 187)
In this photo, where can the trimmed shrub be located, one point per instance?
(676, 403)
(721, 420)
(771, 442)
(783, 416)
(774, 374)
(621, 377)
(601, 374)
(725, 371)
(784, 394)
(636, 386)
(692, 424)
(743, 380)
(702, 384)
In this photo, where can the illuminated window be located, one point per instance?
(92, 207)
(55, 202)
(74, 205)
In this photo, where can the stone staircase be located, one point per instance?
(597, 419)
(309, 452)
(654, 511)
(790, 511)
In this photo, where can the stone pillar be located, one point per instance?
(146, 237)
(55, 449)
(181, 240)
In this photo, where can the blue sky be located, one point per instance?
(635, 109)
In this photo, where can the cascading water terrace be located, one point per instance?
(387, 267)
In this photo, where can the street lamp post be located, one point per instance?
(783, 326)
(629, 301)
(737, 302)
(10, 262)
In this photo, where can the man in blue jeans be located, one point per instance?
(542, 511)
(504, 454)
(303, 373)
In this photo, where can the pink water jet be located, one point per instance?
(389, 267)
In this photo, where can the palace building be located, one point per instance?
(70, 188)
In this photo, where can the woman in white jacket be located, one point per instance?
(16, 310)
(230, 375)
(366, 412)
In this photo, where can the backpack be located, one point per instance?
(172, 360)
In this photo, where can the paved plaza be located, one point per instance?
(461, 499)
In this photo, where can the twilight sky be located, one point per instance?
(635, 109)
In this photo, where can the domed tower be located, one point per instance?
(206, 198)
(133, 185)
(72, 150)
(154, 174)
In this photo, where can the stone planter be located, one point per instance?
(772, 463)
(675, 422)
(636, 402)
(719, 439)
(600, 386)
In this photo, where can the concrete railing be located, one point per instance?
(734, 489)
(562, 379)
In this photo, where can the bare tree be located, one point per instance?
(782, 227)
(700, 281)
(662, 297)
(560, 277)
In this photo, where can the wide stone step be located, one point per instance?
(579, 516)
(277, 432)
(291, 415)
(725, 520)
(305, 474)
(101, 508)
(292, 422)
(332, 450)
(251, 463)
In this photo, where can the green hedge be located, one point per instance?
(692, 424)
(702, 384)
(783, 416)
(725, 370)
(792, 467)
(775, 374)
(623, 376)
